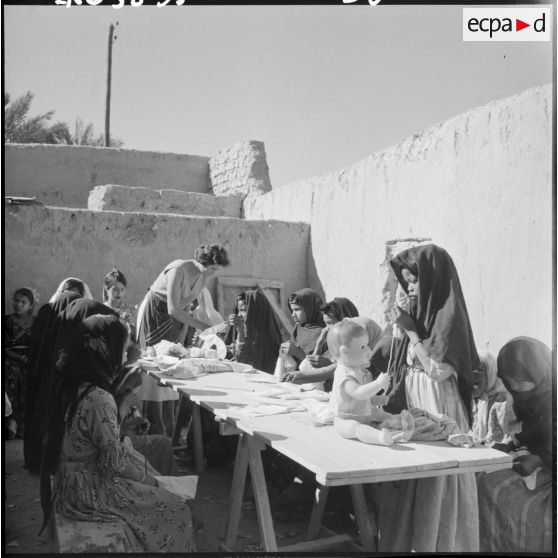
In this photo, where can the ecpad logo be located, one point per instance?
(507, 24)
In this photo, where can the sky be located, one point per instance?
(321, 86)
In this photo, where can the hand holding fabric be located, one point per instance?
(403, 319)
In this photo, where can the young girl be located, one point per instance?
(18, 340)
(114, 292)
(305, 309)
(432, 370)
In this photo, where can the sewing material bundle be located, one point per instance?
(185, 486)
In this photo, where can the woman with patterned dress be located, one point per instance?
(97, 475)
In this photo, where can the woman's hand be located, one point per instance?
(134, 426)
(236, 320)
(150, 480)
(293, 377)
(402, 319)
(285, 348)
(526, 464)
(506, 448)
(318, 361)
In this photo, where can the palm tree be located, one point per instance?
(19, 127)
(84, 134)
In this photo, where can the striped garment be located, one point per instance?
(512, 517)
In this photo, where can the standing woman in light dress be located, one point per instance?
(165, 314)
(432, 369)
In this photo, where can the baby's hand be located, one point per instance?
(382, 381)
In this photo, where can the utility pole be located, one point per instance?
(111, 39)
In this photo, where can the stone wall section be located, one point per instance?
(113, 197)
(43, 245)
(240, 169)
(63, 175)
(479, 185)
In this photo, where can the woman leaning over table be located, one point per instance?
(97, 477)
(165, 314)
(432, 370)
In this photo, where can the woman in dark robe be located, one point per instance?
(254, 332)
(432, 369)
(320, 366)
(156, 447)
(305, 308)
(515, 506)
(41, 354)
(97, 475)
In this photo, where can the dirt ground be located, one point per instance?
(23, 516)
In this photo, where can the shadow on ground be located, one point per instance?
(23, 515)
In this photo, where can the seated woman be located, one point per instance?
(305, 309)
(515, 506)
(254, 334)
(44, 330)
(96, 477)
(321, 364)
(494, 420)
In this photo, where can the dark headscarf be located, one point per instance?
(305, 335)
(77, 311)
(92, 356)
(263, 334)
(339, 308)
(441, 319)
(527, 359)
(44, 331)
(70, 318)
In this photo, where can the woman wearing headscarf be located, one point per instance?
(156, 447)
(515, 506)
(494, 419)
(432, 369)
(254, 331)
(305, 309)
(41, 354)
(320, 365)
(96, 478)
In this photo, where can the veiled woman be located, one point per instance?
(41, 355)
(431, 370)
(96, 477)
(516, 507)
(254, 332)
(305, 308)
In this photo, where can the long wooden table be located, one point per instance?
(334, 460)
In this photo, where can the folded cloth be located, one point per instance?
(264, 410)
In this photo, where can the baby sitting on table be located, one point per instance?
(354, 398)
